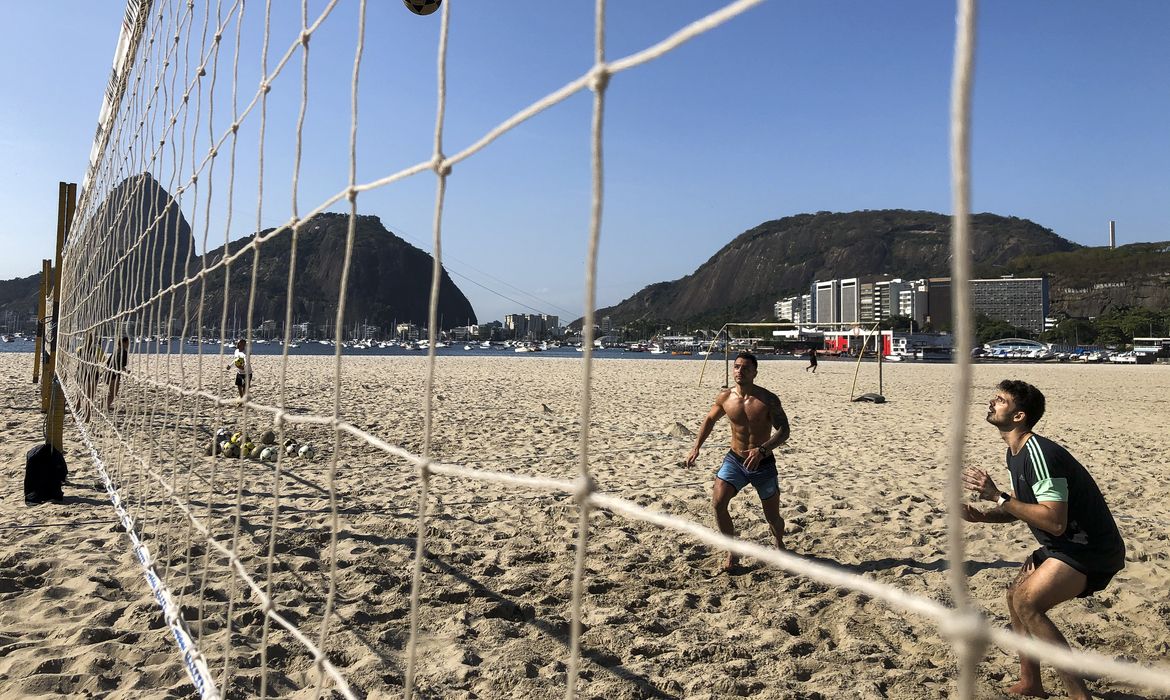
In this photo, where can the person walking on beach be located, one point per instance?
(812, 360)
(753, 412)
(243, 367)
(119, 360)
(1080, 546)
(89, 372)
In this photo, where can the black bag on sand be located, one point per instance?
(44, 472)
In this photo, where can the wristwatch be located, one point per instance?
(1004, 497)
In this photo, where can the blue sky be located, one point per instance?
(794, 107)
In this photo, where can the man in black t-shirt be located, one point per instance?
(1080, 546)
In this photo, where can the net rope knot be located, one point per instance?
(599, 77)
(585, 487)
(441, 167)
(967, 632)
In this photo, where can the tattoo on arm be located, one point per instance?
(779, 418)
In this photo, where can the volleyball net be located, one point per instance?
(207, 108)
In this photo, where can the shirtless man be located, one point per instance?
(754, 412)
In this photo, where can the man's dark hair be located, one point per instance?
(1027, 399)
(749, 356)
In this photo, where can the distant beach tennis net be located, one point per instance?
(205, 111)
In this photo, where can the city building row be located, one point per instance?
(1019, 301)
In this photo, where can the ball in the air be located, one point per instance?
(307, 451)
(422, 7)
(240, 362)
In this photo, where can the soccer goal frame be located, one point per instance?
(873, 332)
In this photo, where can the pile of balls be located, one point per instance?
(229, 444)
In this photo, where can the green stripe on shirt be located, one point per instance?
(1038, 462)
(1051, 490)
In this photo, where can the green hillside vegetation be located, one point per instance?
(1097, 265)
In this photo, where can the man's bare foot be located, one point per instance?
(1028, 689)
(779, 537)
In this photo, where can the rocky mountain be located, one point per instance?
(141, 225)
(783, 257)
(389, 279)
(19, 296)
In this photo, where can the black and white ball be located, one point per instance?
(422, 7)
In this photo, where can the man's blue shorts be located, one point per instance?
(763, 478)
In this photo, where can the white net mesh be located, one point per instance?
(272, 573)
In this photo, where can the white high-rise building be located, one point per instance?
(827, 298)
(850, 300)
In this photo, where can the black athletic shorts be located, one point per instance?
(240, 379)
(1094, 580)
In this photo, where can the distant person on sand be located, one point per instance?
(119, 359)
(243, 367)
(1080, 547)
(812, 360)
(754, 412)
(91, 357)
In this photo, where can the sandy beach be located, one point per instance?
(861, 487)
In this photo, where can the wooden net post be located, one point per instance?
(53, 397)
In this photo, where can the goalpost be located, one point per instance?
(206, 109)
(874, 333)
